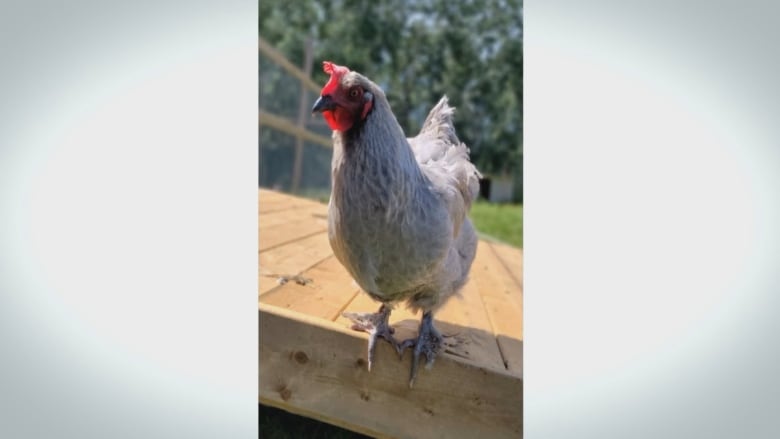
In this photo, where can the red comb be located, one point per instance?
(336, 72)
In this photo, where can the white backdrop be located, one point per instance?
(651, 212)
(128, 225)
(128, 173)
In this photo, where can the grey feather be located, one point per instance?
(398, 209)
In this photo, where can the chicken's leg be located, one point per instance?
(428, 342)
(376, 325)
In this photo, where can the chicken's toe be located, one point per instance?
(376, 325)
(428, 342)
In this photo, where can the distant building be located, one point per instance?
(501, 189)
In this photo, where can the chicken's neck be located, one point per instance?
(374, 162)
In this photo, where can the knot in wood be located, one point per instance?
(284, 392)
(301, 357)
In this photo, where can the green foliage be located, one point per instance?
(503, 222)
(416, 51)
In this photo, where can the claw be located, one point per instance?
(376, 325)
(428, 342)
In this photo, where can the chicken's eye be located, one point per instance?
(355, 92)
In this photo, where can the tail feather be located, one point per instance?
(437, 148)
(439, 124)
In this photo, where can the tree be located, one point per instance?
(417, 51)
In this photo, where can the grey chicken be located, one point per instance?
(397, 213)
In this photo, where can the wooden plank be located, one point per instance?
(463, 321)
(330, 290)
(487, 264)
(306, 225)
(275, 206)
(466, 316)
(508, 332)
(270, 195)
(512, 259)
(502, 299)
(277, 217)
(462, 317)
(317, 368)
(291, 259)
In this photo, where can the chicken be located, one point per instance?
(397, 217)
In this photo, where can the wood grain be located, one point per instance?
(317, 368)
(502, 301)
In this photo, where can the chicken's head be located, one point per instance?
(346, 99)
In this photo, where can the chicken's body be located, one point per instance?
(397, 212)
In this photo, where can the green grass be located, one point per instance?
(503, 222)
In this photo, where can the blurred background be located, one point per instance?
(417, 51)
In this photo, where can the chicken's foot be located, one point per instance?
(429, 342)
(376, 325)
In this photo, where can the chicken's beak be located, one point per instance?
(323, 103)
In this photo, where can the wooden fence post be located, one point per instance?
(303, 111)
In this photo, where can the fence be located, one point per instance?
(294, 146)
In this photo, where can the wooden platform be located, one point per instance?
(312, 364)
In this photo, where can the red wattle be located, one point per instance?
(338, 119)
